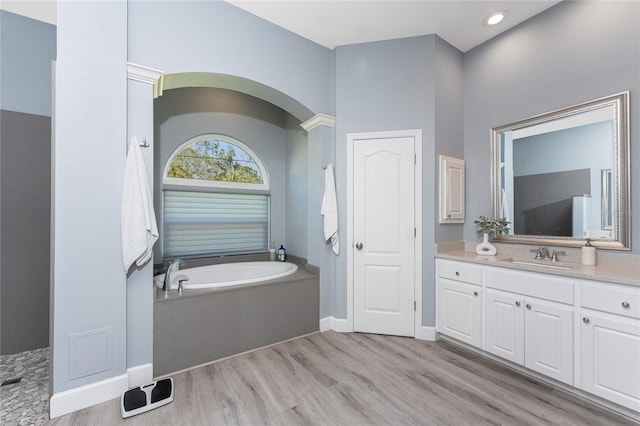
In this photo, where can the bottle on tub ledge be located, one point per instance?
(282, 254)
(272, 252)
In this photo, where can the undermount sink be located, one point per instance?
(543, 265)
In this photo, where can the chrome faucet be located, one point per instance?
(174, 265)
(541, 253)
(554, 255)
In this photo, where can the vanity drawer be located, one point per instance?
(542, 286)
(460, 271)
(612, 299)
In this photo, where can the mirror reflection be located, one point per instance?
(561, 175)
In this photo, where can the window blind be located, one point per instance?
(201, 223)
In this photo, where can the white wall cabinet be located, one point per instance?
(451, 190)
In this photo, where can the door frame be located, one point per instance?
(417, 214)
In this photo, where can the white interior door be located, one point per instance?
(384, 235)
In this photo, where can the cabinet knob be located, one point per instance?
(457, 274)
(625, 305)
(585, 320)
(528, 306)
(518, 303)
(359, 246)
(475, 293)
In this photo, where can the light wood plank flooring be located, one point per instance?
(356, 379)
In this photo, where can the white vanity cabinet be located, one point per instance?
(584, 333)
(529, 321)
(459, 303)
(610, 342)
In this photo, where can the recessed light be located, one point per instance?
(495, 18)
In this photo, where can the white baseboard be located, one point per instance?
(427, 333)
(343, 326)
(336, 324)
(71, 400)
(140, 375)
(85, 396)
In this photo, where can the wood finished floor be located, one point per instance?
(356, 379)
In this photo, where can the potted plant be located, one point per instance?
(490, 228)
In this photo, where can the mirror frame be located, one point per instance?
(620, 173)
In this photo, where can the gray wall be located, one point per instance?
(401, 84)
(546, 63)
(212, 36)
(90, 140)
(296, 178)
(569, 54)
(27, 47)
(182, 114)
(95, 41)
(449, 131)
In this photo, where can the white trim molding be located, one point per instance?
(85, 396)
(75, 399)
(140, 375)
(143, 74)
(427, 333)
(318, 120)
(336, 324)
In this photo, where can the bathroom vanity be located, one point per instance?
(576, 325)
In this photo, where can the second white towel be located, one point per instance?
(329, 210)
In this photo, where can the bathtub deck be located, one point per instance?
(201, 326)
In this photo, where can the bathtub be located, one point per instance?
(227, 275)
(198, 326)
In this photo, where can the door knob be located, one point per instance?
(359, 246)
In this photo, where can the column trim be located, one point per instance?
(318, 120)
(143, 74)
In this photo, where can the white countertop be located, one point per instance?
(612, 274)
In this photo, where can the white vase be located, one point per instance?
(485, 247)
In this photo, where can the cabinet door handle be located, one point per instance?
(585, 320)
(475, 293)
(518, 303)
(625, 305)
(528, 306)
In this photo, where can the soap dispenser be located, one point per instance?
(588, 254)
(281, 253)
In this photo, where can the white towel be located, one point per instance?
(138, 227)
(330, 210)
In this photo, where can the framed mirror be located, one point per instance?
(563, 176)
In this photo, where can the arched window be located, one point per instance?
(216, 199)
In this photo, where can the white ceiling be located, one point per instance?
(332, 23)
